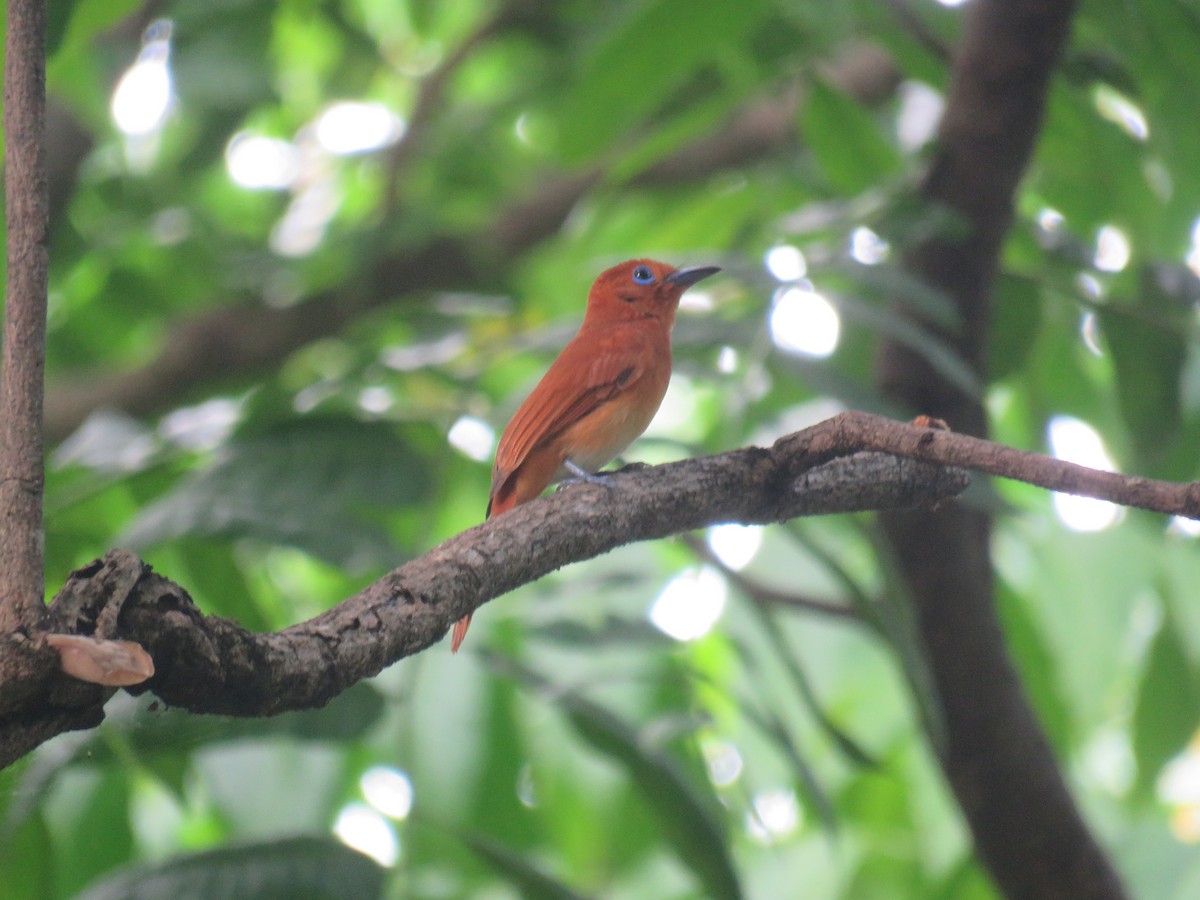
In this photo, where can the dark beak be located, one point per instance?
(688, 277)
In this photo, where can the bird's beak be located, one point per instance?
(688, 277)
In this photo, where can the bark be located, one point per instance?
(1026, 827)
(207, 664)
(22, 372)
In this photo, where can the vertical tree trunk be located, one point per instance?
(22, 369)
(1026, 827)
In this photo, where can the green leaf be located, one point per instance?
(772, 726)
(1149, 354)
(302, 868)
(937, 351)
(1168, 705)
(688, 821)
(849, 145)
(76, 24)
(637, 64)
(529, 880)
(88, 816)
(26, 855)
(322, 485)
(1015, 324)
(1037, 665)
(890, 283)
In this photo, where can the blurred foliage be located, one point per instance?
(574, 750)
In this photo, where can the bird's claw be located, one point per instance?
(581, 476)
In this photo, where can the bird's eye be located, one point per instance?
(643, 275)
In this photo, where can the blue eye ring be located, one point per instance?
(643, 275)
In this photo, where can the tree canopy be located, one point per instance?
(306, 260)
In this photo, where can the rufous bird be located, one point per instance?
(600, 393)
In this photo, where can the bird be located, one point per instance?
(599, 394)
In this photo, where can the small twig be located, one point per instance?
(24, 345)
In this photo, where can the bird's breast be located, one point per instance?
(607, 431)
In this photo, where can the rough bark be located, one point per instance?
(207, 664)
(23, 368)
(1026, 827)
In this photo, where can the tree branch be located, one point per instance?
(207, 664)
(213, 665)
(22, 476)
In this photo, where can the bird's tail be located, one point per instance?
(496, 505)
(459, 632)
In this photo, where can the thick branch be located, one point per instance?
(21, 376)
(212, 665)
(209, 664)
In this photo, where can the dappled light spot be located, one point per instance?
(302, 227)
(1050, 220)
(108, 440)
(388, 790)
(867, 247)
(1076, 441)
(723, 761)
(802, 321)
(1121, 111)
(735, 545)
(1193, 255)
(410, 357)
(1089, 333)
(697, 301)
(1108, 761)
(786, 263)
(1184, 527)
(525, 787)
(204, 426)
(918, 116)
(376, 399)
(350, 127)
(774, 816)
(1112, 249)
(727, 360)
(690, 605)
(261, 163)
(472, 437)
(141, 101)
(361, 827)
(1089, 285)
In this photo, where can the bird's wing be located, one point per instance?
(590, 371)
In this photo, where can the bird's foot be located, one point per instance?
(580, 476)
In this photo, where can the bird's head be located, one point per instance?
(641, 289)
